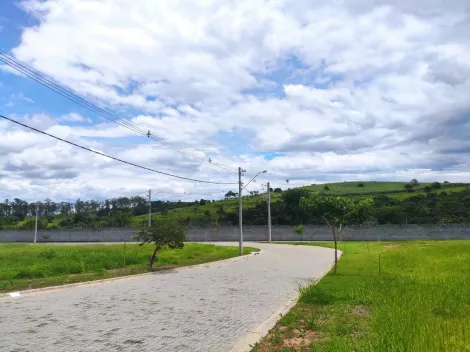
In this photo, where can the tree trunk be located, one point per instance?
(336, 250)
(152, 258)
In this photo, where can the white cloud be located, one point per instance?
(358, 89)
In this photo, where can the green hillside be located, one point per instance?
(394, 202)
(210, 214)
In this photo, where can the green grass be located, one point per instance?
(420, 301)
(24, 266)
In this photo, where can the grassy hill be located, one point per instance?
(283, 212)
(370, 189)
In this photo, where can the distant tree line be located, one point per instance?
(93, 213)
(435, 206)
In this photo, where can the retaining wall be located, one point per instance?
(254, 233)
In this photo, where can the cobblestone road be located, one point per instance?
(204, 308)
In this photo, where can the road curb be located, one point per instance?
(34, 291)
(248, 341)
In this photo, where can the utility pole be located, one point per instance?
(240, 210)
(269, 213)
(36, 224)
(150, 208)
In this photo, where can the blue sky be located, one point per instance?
(311, 91)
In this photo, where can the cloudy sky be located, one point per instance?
(312, 91)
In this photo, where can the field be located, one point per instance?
(24, 266)
(419, 301)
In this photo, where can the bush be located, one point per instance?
(360, 185)
(326, 188)
(436, 185)
(408, 186)
(299, 230)
(427, 189)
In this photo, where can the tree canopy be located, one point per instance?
(171, 234)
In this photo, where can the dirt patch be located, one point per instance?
(301, 341)
(392, 246)
(361, 311)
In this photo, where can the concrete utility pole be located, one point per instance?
(240, 210)
(36, 224)
(269, 213)
(150, 207)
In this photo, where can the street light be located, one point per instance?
(240, 210)
(261, 172)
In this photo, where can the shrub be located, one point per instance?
(360, 185)
(326, 188)
(436, 185)
(299, 230)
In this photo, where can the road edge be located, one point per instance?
(33, 291)
(249, 340)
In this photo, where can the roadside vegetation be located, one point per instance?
(417, 300)
(25, 266)
(395, 203)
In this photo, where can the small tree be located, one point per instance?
(299, 230)
(169, 234)
(360, 184)
(414, 182)
(408, 186)
(326, 188)
(277, 190)
(337, 212)
(436, 185)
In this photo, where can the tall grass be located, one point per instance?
(24, 266)
(420, 301)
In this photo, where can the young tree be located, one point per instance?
(337, 212)
(169, 234)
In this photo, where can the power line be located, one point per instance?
(72, 95)
(112, 157)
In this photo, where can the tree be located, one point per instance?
(408, 186)
(231, 194)
(299, 230)
(414, 182)
(277, 190)
(436, 185)
(326, 188)
(293, 213)
(360, 185)
(337, 213)
(169, 234)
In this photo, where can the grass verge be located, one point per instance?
(419, 301)
(26, 266)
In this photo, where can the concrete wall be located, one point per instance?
(254, 233)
